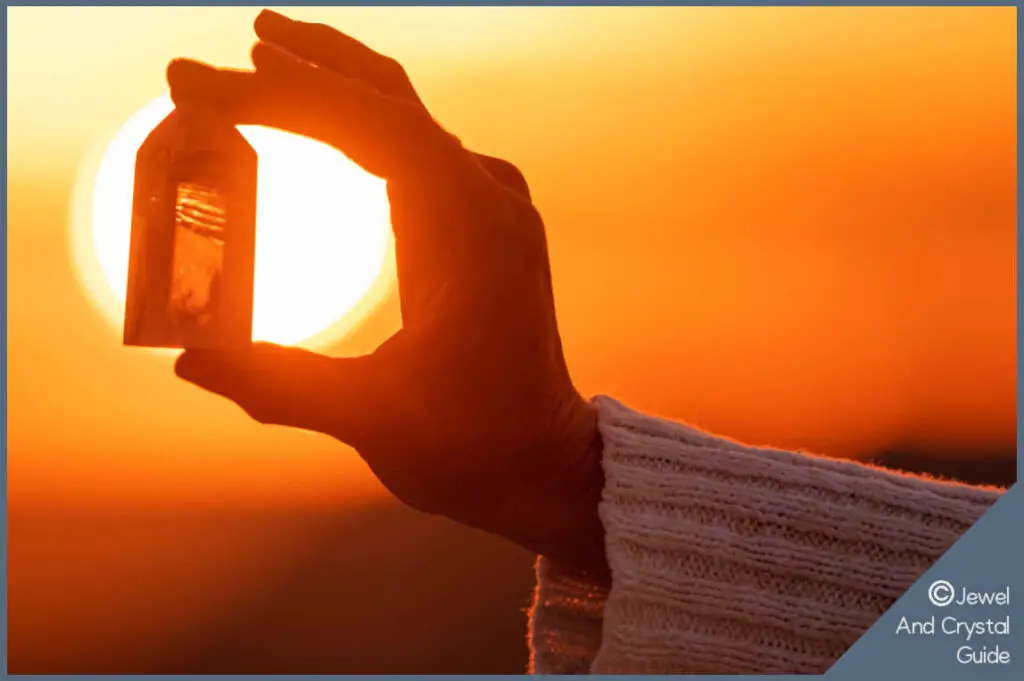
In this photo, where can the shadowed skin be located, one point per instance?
(469, 410)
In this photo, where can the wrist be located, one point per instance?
(581, 545)
(563, 522)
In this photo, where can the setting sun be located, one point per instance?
(323, 235)
(793, 227)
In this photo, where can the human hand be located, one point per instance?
(469, 410)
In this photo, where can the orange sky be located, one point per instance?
(793, 226)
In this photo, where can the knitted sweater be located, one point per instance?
(729, 559)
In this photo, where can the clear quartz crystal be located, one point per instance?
(190, 272)
(198, 260)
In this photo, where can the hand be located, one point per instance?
(468, 411)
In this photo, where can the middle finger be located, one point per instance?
(331, 49)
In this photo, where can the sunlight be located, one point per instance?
(323, 237)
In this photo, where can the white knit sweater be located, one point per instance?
(729, 559)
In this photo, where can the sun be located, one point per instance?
(324, 251)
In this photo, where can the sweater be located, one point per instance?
(730, 559)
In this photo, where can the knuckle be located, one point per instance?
(259, 414)
(507, 174)
(433, 135)
(514, 178)
(393, 69)
(261, 410)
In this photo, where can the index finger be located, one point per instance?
(387, 137)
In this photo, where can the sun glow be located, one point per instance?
(323, 240)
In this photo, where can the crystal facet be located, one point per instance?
(191, 264)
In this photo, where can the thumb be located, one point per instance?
(505, 173)
(284, 386)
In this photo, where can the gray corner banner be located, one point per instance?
(964, 619)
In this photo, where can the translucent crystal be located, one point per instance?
(190, 272)
(198, 260)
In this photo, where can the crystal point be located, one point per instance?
(192, 253)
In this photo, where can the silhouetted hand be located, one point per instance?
(468, 411)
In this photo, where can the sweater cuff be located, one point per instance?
(729, 559)
(565, 620)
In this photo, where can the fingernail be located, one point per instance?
(184, 70)
(268, 16)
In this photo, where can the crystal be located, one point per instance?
(192, 253)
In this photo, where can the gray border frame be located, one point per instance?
(990, 556)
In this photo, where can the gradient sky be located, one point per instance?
(794, 226)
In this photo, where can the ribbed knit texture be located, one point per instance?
(730, 559)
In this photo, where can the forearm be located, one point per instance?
(731, 559)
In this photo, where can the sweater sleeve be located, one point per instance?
(729, 559)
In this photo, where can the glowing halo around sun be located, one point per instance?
(324, 251)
